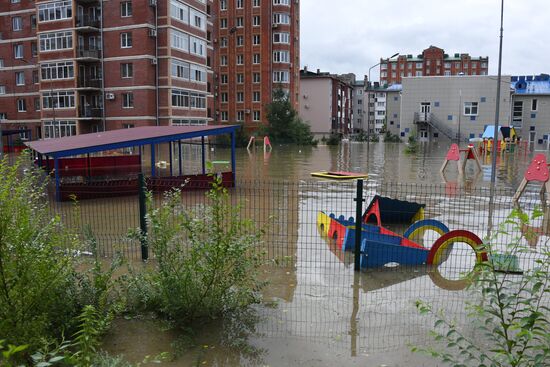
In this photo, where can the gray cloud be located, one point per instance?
(351, 35)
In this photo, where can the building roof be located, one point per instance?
(539, 84)
(123, 138)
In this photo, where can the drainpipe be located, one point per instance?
(157, 66)
(102, 67)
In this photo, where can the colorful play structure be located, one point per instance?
(454, 155)
(537, 171)
(267, 143)
(381, 246)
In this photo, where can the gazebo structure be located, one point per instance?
(79, 174)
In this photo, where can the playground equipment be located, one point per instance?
(267, 143)
(339, 175)
(453, 154)
(537, 171)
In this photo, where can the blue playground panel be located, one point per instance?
(383, 249)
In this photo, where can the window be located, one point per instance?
(281, 56)
(240, 97)
(126, 40)
(419, 65)
(34, 49)
(224, 97)
(21, 105)
(239, 4)
(223, 42)
(256, 115)
(223, 23)
(181, 69)
(56, 41)
(197, 46)
(1, 63)
(256, 39)
(2, 89)
(517, 113)
(483, 64)
(179, 40)
(180, 98)
(281, 2)
(256, 3)
(418, 73)
(198, 74)
(58, 99)
(447, 73)
(281, 18)
(197, 100)
(280, 77)
(240, 78)
(33, 21)
(256, 20)
(126, 70)
(128, 100)
(20, 78)
(126, 9)
(240, 59)
(179, 11)
(239, 22)
(35, 78)
(534, 104)
(37, 104)
(240, 40)
(198, 19)
(223, 4)
(16, 23)
(223, 60)
(240, 116)
(470, 108)
(15, 1)
(128, 126)
(57, 70)
(255, 96)
(58, 129)
(3, 116)
(223, 78)
(282, 37)
(55, 11)
(186, 122)
(256, 78)
(224, 116)
(256, 59)
(447, 65)
(18, 51)
(457, 65)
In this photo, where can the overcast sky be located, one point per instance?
(342, 36)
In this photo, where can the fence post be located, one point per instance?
(358, 223)
(142, 213)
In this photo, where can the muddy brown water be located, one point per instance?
(317, 310)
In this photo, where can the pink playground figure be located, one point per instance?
(536, 172)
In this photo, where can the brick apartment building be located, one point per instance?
(256, 50)
(432, 62)
(65, 69)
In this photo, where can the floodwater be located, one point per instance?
(317, 311)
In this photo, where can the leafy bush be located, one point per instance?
(206, 260)
(511, 312)
(391, 138)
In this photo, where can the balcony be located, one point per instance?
(89, 83)
(90, 112)
(86, 23)
(87, 54)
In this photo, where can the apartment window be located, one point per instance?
(256, 115)
(35, 78)
(483, 64)
(281, 18)
(223, 42)
(256, 39)
(21, 105)
(281, 2)
(256, 20)
(447, 65)
(280, 77)
(256, 78)
(126, 40)
(256, 3)
(240, 59)
(240, 40)
(197, 46)
(58, 99)
(198, 74)
(447, 73)
(58, 129)
(33, 21)
(126, 9)
(20, 78)
(240, 97)
(17, 23)
(15, 1)
(281, 56)
(2, 89)
(256, 59)
(240, 78)
(198, 19)
(18, 51)
(418, 73)
(282, 37)
(223, 23)
(224, 97)
(180, 98)
(37, 104)
(223, 4)
(56, 41)
(534, 104)
(34, 49)
(128, 100)
(223, 60)
(255, 96)
(223, 78)
(197, 100)
(239, 22)
(470, 108)
(57, 70)
(240, 116)
(179, 11)
(240, 4)
(1, 63)
(55, 11)
(3, 116)
(126, 70)
(457, 65)
(181, 69)
(224, 116)
(179, 40)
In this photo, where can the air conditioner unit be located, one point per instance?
(153, 3)
(153, 61)
(215, 94)
(215, 40)
(152, 32)
(274, 25)
(109, 96)
(217, 112)
(247, 111)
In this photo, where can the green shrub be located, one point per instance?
(391, 138)
(206, 260)
(510, 312)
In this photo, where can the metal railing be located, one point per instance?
(432, 120)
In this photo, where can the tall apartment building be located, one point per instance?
(256, 50)
(432, 62)
(359, 116)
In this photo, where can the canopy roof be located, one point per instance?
(123, 138)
